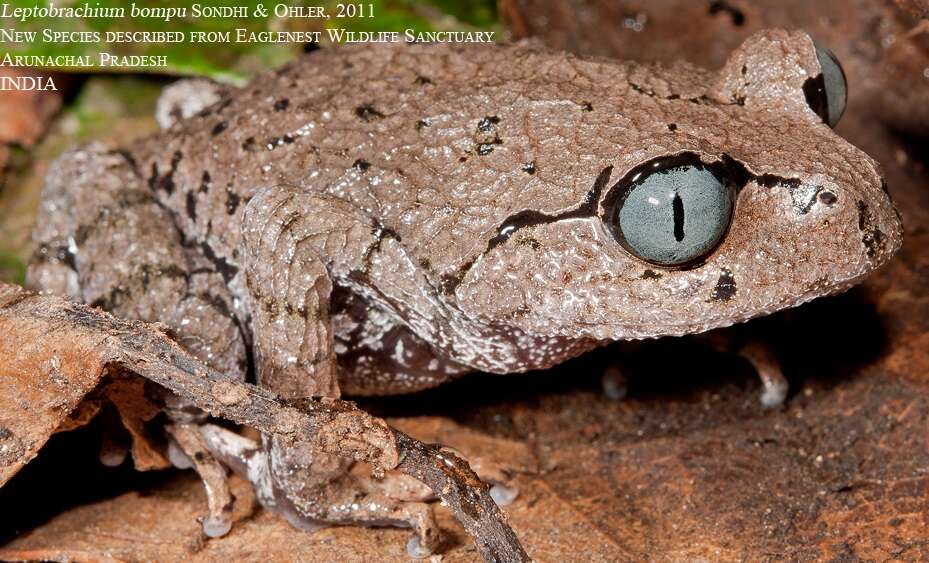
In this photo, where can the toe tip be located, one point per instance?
(216, 527)
(503, 495)
(415, 548)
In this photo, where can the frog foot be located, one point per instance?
(189, 449)
(323, 492)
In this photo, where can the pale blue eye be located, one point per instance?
(674, 216)
(827, 93)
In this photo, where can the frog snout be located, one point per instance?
(881, 227)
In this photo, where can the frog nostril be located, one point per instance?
(828, 198)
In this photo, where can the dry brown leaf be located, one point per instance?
(42, 380)
(135, 409)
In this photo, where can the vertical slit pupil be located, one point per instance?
(678, 206)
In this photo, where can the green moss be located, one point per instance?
(12, 269)
(235, 62)
(204, 59)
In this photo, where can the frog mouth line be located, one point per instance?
(734, 170)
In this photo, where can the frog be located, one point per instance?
(372, 220)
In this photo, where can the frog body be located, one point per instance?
(379, 220)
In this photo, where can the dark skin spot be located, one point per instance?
(725, 286)
(367, 113)
(462, 159)
(215, 108)
(232, 201)
(672, 127)
(205, 182)
(5, 433)
(872, 237)
(165, 182)
(531, 242)
(199, 456)
(421, 123)
(281, 104)
(449, 283)
(587, 106)
(361, 165)
(249, 145)
(422, 80)
(529, 167)
(487, 123)
(191, 206)
(864, 215)
(225, 269)
(484, 149)
(650, 275)
(771, 181)
(153, 178)
(219, 128)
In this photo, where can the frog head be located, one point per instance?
(732, 198)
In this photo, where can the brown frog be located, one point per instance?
(380, 220)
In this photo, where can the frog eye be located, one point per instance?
(672, 215)
(827, 93)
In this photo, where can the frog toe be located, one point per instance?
(504, 495)
(217, 526)
(774, 386)
(615, 383)
(190, 442)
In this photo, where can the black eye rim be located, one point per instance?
(731, 173)
(814, 89)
